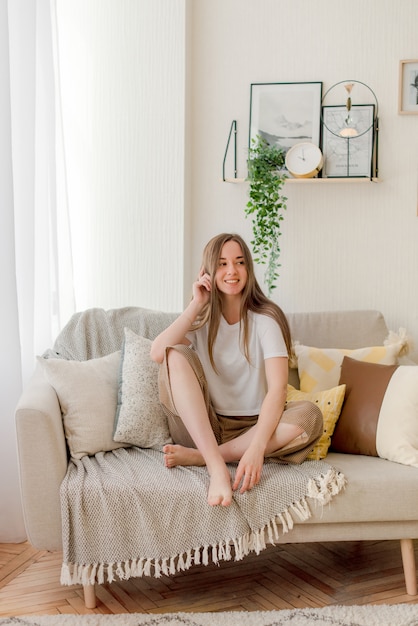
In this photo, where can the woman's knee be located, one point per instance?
(174, 356)
(305, 414)
(177, 361)
(315, 418)
(184, 358)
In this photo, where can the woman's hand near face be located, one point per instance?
(202, 288)
(177, 331)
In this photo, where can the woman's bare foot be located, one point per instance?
(220, 489)
(174, 455)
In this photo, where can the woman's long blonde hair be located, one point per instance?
(253, 298)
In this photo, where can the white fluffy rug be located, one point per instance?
(379, 615)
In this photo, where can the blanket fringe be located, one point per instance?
(326, 486)
(320, 489)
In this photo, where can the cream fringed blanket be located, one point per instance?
(125, 514)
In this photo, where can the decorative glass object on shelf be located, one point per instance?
(350, 131)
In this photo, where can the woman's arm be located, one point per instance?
(176, 332)
(251, 464)
(277, 374)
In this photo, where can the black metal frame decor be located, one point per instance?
(286, 113)
(348, 156)
(408, 87)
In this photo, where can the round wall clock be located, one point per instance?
(304, 160)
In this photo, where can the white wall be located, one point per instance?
(139, 223)
(344, 246)
(122, 68)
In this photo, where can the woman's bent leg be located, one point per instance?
(299, 429)
(307, 417)
(184, 399)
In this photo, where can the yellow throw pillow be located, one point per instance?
(320, 368)
(330, 402)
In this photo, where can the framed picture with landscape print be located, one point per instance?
(348, 156)
(285, 113)
(408, 87)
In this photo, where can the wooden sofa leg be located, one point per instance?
(408, 561)
(89, 596)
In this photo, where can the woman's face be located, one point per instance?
(231, 274)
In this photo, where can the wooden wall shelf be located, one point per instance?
(309, 181)
(304, 181)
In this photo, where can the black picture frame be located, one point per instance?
(285, 113)
(408, 87)
(348, 157)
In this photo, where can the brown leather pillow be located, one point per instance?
(366, 384)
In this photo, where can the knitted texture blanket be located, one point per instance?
(96, 332)
(125, 514)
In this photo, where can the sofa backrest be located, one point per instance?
(338, 329)
(95, 332)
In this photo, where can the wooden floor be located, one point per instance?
(282, 577)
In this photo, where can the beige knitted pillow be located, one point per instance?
(140, 419)
(87, 392)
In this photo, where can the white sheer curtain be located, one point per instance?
(36, 277)
(123, 85)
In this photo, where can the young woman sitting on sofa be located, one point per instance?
(224, 373)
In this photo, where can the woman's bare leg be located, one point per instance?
(233, 450)
(190, 405)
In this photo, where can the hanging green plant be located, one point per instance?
(266, 205)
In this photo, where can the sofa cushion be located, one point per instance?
(87, 392)
(330, 403)
(336, 329)
(380, 413)
(397, 428)
(140, 419)
(366, 385)
(362, 500)
(320, 368)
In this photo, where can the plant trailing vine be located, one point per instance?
(266, 205)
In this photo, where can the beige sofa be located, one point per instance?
(379, 502)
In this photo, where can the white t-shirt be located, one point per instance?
(239, 387)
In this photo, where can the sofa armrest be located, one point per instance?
(43, 461)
